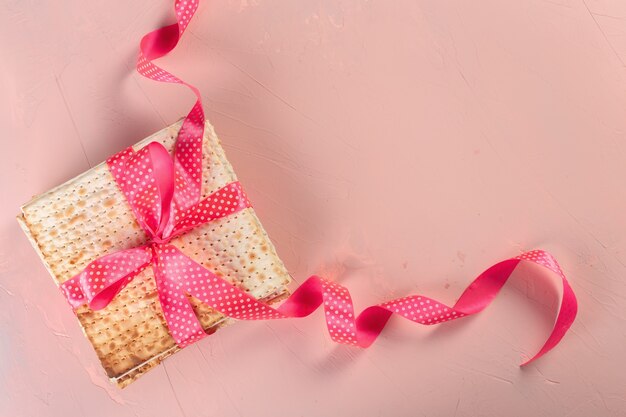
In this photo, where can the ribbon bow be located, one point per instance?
(147, 178)
(165, 196)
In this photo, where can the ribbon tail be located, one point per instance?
(363, 330)
(194, 279)
(564, 320)
(172, 271)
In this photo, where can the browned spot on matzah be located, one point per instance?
(76, 219)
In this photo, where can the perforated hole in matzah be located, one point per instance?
(88, 217)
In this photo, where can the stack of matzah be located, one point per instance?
(88, 217)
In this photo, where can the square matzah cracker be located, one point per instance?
(88, 217)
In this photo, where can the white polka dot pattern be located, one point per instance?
(225, 201)
(422, 310)
(544, 259)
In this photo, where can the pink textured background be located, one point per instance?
(493, 126)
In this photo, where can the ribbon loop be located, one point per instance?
(146, 178)
(105, 277)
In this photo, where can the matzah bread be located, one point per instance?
(88, 217)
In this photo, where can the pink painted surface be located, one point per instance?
(495, 127)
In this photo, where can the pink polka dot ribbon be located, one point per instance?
(164, 193)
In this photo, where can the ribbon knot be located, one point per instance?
(156, 240)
